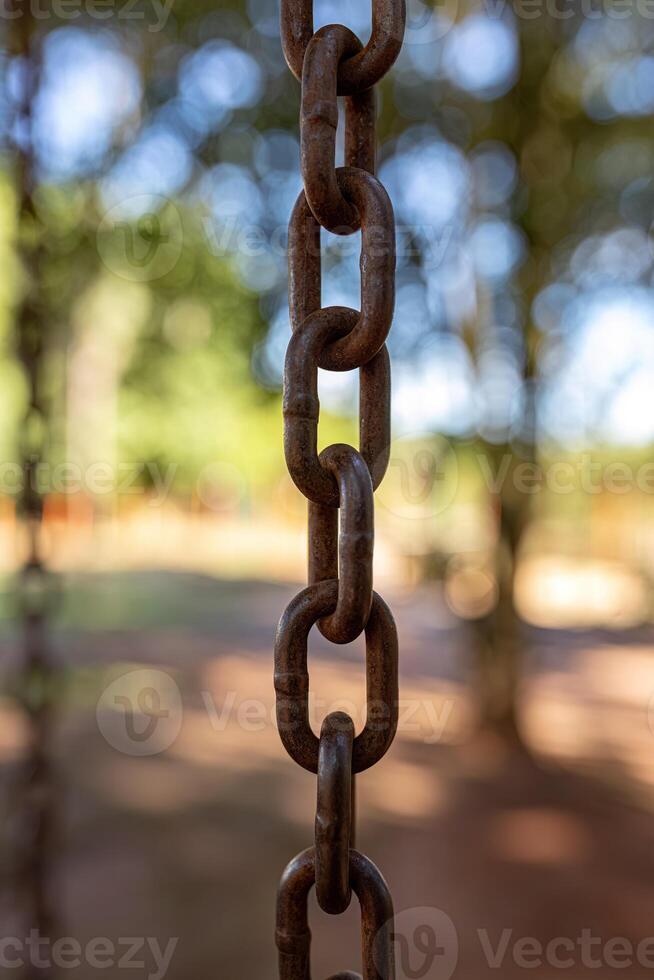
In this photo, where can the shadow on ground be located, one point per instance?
(552, 843)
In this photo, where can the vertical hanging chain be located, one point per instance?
(29, 327)
(340, 481)
(35, 790)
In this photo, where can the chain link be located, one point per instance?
(292, 678)
(352, 562)
(302, 408)
(294, 937)
(334, 813)
(361, 71)
(340, 481)
(349, 344)
(318, 125)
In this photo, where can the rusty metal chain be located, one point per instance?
(338, 482)
(363, 70)
(293, 934)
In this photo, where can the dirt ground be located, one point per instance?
(496, 851)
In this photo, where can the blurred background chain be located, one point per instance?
(33, 798)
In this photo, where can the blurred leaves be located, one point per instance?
(516, 151)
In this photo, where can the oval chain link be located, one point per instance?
(345, 553)
(339, 597)
(361, 71)
(293, 936)
(292, 678)
(302, 409)
(318, 126)
(334, 813)
(353, 345)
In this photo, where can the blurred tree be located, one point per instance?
(526, 122)
(165, 164)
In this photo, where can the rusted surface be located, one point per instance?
(362, 70)
(339, 598)
(356, 538)
(318, 125)
(302, 409)
(293, 935)
(375, 414)
(360, 338)
(292, 678)
(334, 816)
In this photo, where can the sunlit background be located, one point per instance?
(149, 163)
